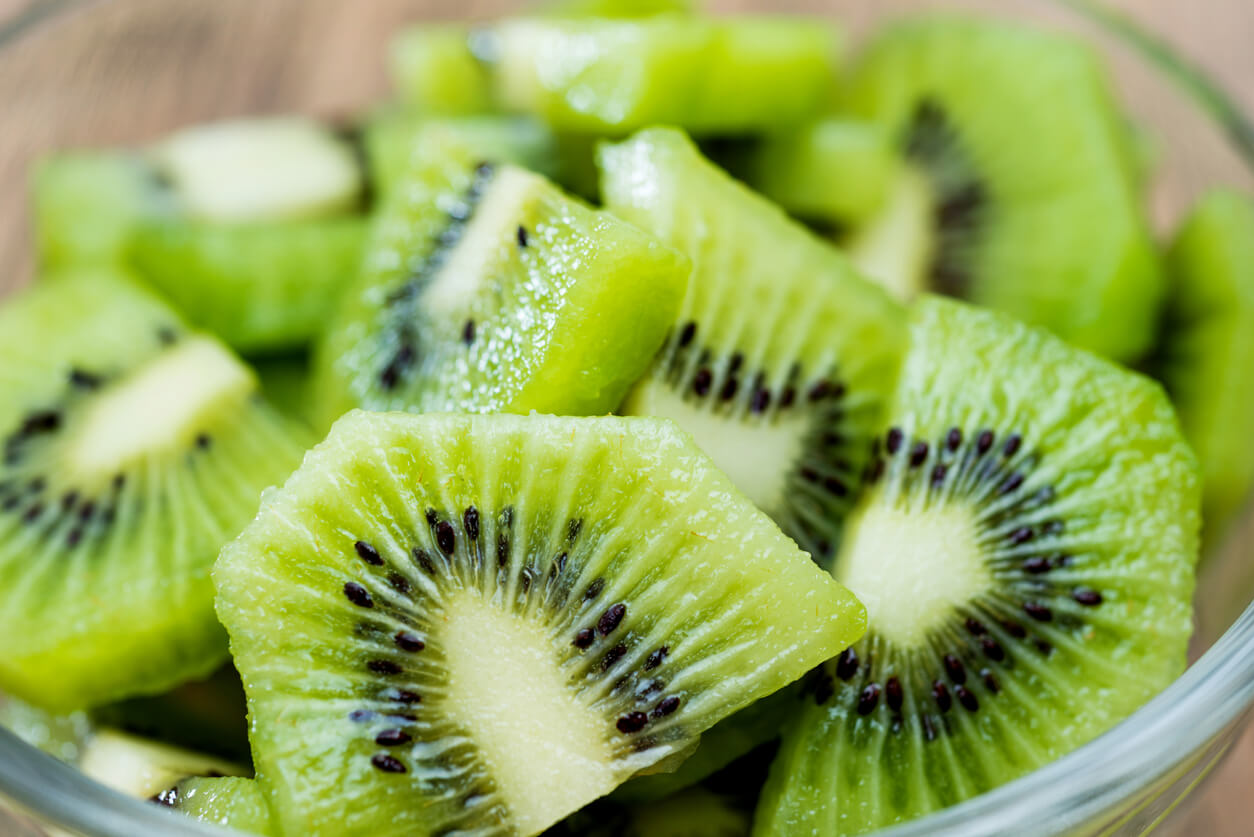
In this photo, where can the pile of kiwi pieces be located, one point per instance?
(715, 440)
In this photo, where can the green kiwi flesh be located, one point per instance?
(833, 170)
(1205, 355)
(482, 623)
(229, 801)
(485, 289)
(435, 70)
(58, 734)
(261, 288)
(1025, 550)
(132, 449)
(781, 357)
(740, 75)
(1038, 215)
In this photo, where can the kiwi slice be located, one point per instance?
(485, 289)
(781, 357)
(1025, 551)
(131, 449)
(1206, 352)
(448, 623)
(141, 768)
(435, 70)
(1032, 210)
(834, 171)
(229, 801)
(741, 75)
(260, 287)
(393, 137)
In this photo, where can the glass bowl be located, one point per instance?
(105, 72)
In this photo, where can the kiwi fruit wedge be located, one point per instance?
(708, 76)
(435, 70)
(1205, 355)
(831, 171)
(479, 624)
(1032, 210)
(393, 137)
(1025, 550)
(131, 449)
(781, 358)
(142, 768)
(486, 289)
(230, 801)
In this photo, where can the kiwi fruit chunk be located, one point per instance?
(1026, 553)
(141, 768)
(1032, 210)
(392, 138)
(261, 288)
(741, 75)
(832, 171)
(131, 449)
(781, 358)
(435, 70)
(1205, 355)
(485, 289)
(448, 623)
(230, 801)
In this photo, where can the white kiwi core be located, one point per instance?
(158, 407)
(895, 247)
(754, 455)
(493, 227)
(548, 753)
(911, 568)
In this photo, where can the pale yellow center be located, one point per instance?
(896, 247)
(547, 752)
(158, 407)
(911, 568)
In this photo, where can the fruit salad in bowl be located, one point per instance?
(637, 421)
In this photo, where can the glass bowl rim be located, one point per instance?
(1094, 779)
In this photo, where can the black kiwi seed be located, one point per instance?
(407, 641)
(655, 658)
(954, 668)
(522, 236)
(423, 560)
(203, 441)
(687, 333)
(445, 537)
(584, 638)
(594, 589)
(632, 722)
(387, 764)
(399, 582)
(1038, 611)
(84, 380)
(368, 553)
(573, 527)
(470, 520)
(893, 694)
(404, 696)
(611, 618)
(1086, 597)
(701, 381)
(940, 693)
(468, 332)
(666, 706)
(360, 715)
(386, 667)
(613, 656)
(868, 699)
(358, 595)
(847, 664)
(392, 738)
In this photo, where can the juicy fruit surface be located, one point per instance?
(381, 704)
(1206, 355)
(141, 768)
(1026, 555)
(259, 287)
(435, 70)
(781, 356)
(229, 801)
(1037, 214)
(486, 290)
(614, 76)
(133, 450)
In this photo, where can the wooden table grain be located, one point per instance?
(1216, 34)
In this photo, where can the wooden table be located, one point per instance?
(1217, 34)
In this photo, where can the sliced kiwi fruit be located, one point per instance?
(251, 228)
(230, 801)
(1032, 210)
(1205, 355)
(1026, 552)
(833, 171)
(485, 289)
(131, 449)
(435, 70)
(142, 768)
(393, 137)
(781, 358)
(448, 623)
(742, 75)
(260, 287)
